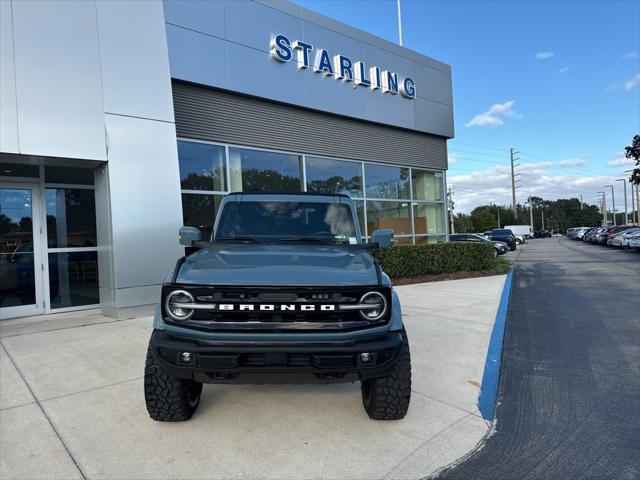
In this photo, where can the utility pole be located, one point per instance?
(531, 214)
(624, 183)
(603, 203)
(613, 202)
(513, 180)
(498, 208)
(450, 207)
(399, 22)
(581, 203)
(542, 212)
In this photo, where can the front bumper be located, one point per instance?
(260, 362)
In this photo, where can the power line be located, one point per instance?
(478, 153)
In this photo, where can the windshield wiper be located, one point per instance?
(306, 239)
(240, 239)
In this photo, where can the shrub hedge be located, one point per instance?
(415, 260)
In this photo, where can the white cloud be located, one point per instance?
(550, 180)
(566, 69)
(620, 161)
(494, 117)
(631, 55)
(610, 88)
(452, 157)
(544, 55)
(633, 83)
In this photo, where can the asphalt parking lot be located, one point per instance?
(71, 404)
(569, 396)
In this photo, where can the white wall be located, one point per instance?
(90, 80)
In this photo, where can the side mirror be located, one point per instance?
(189, 235)
(383, 237)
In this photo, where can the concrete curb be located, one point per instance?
(491, 374)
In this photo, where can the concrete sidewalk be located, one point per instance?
(71, 403)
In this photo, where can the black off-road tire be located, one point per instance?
(387, 398)
(169, 399)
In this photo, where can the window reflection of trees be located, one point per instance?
(337, 184)
(269, 180)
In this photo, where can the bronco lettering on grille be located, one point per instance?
(267, 307)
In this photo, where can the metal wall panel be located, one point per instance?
(133, 53)
(8, 107)
(238, 59)
(145, 205)
(214, 115)
(58, 81)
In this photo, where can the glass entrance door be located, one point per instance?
(21, 266)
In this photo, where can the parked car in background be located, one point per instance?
(629, 238)
(598, 235)
(503, 235)
(500, 247)
(543, 233)
(621, 239)
(580, 233)
(635, 243)
(612, 231)
(587, 235)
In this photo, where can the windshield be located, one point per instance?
(501, 232)
(286, 221)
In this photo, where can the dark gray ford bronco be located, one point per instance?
(285, 291)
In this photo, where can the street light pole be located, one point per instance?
(624, 183)
(633, 206)
(531, 214)
(638, 201)
(613, 202)
(399, 22)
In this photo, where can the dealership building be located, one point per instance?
(122, 121)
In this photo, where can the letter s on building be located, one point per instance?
(408, 88)
(281, 48)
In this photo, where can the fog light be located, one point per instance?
(365, 357)
(186, 357)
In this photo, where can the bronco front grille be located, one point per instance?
(275, 308)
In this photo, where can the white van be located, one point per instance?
(523, 231)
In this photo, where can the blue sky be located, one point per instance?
(559, 81)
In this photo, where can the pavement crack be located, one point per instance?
(43, 411)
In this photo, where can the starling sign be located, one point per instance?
(340, 67)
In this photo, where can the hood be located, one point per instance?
(276, 264)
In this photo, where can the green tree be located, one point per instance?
(483, 219)
(632, 152)
(463, 223)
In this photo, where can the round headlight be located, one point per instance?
(173, 302)
(376, 306)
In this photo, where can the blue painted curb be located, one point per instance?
(491, 374)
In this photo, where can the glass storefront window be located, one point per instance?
(393, 215)
(73, 279)
(428, 218)
(202, 166)
(71, 175)
(199, 210)
(262, 171)
(334, 176)
(421, 240)
(71, 217)
(383, 181)
(427, 185)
